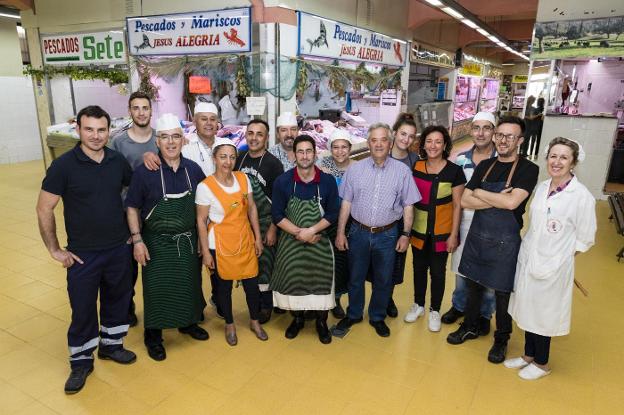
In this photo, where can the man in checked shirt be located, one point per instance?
(376, 192)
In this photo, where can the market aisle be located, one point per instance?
(412, 371)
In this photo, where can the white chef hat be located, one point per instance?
(206, 107)
(223, 141)
(339, 134)
(485, 116)
(167, 121)
(287, 119)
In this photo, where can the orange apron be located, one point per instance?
(234, 239)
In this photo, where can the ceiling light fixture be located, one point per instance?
(12, 16)
(452, 12)
(436, 3)
(469, 23)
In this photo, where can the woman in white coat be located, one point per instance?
(562, 223)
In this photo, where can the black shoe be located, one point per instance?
(392, 310)
(77, 379)
(381, 328)
(338, 312)
(309, 315)
(484, 326)
(265, 315)
(293, 330)
(120, 355)
(323, 331)
(195, 332)
(497, 352)
(451, 316)
(157, 352)
(346, 323)
(461, 335)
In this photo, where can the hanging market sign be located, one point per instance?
(430, 55)
(331, 39)
(520, 79)
(471, 68)
(98, 48)
(217, 31)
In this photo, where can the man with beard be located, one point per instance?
(287, 130)
(482, 131)
(498, 192)
(137, 140)
(305, 204)
(262, 168)
(89, 179)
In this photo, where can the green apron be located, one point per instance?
(303, 269)
(267, 259)
(172, 292)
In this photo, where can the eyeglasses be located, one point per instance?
(172, 137)
(506, 137)
(485, 129)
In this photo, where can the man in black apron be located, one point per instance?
(498, 192)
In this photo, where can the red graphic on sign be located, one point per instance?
(232, 37)
(397, 51)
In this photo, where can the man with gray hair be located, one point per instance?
(376, 192)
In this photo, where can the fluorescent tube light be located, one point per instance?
(12, 16)
(452, 12)
(436, 3)
(483, 32)
(469, 23)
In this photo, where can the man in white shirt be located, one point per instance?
(287, 131)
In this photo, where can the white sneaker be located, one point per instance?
(414, 312)
(532, 372)
(515, 363)
(434, 321)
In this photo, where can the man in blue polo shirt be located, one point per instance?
(90, 179)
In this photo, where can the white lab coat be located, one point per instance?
(200, 153)
(559, 226)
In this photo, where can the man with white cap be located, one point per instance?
(482, 132)
(162, 221)
(287, 131)
(200, 143)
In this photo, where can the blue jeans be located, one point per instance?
(376, 250)
(488, 303)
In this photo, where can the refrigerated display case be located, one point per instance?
(466, 98)
(489, 95)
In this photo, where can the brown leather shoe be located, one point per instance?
(255, 326)
(230, 334)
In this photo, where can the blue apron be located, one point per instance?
(492, 245)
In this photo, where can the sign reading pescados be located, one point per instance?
(218, 31)
(330, 39)
(99, 48)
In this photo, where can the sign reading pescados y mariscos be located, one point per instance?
(330, 39)
(217, 31)
(98, 48)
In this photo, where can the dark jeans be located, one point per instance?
(428, 259)
(473, 305)
(252, 294)
(266, 300)
(376, 250)
(536, 346)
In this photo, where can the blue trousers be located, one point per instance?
(378, 251)
(109, 274)
(488, 303)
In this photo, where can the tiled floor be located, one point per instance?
(413, 371)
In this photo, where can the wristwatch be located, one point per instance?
(405, 233)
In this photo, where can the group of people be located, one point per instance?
(300, 232)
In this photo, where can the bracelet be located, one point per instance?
(405, 233)
(138, 241)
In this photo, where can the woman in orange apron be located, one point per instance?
(229, 236)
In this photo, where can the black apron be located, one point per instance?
(493, 242)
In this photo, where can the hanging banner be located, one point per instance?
(98, 48)
(582, 38)
(327, 38)
(430, 55)
(217, 31)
